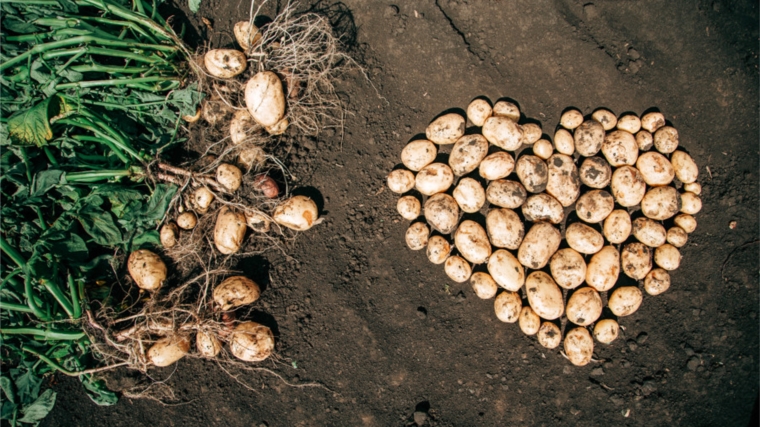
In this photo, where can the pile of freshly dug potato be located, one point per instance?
(617, 190)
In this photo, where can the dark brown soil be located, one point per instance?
(385, 330)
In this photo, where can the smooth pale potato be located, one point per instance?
(434, 178)
(438, 249)
(446, 129)
(677, 236)
(470, 195)
(693, 187)
(504, 228)
(442, 212)
(563, 182)
(506, 270)
(251, 342)
(467, 154)
(265, 98)
(229, 230)
(595, 206)
(457, 269)
(605, 117)
(543, 149)
(418, 154)
(503, 132)
(187, 220)
(506, 193)
(660, 203)
(617, 226)
(686, 221)
(408, 207)
(401, 180)
(625, 300)
(571, 119)
(229, 176)
(543, 207)
(620, 148)
(583, 238)
(541, 242)
(478, 111)
(649, 232)
(146, 269)
(507, 306)
(167, 351)
(667, 257)
(657, 281)
(472, 242)
(666, 139)
(483, 285)
(496, 165)
(595, 172)
(568, 268)
(169, 235)
(207, 344)
(579, 347)
(532, 172)
(529, 321)
(652, 121)
(298, 213)
(606, 330)
(603, 269)
(685, 168)
(246, 34)
(655, 168)
(236, 291)
(588, 138)
(636, 260)
(629, 123)
(628, 186)
(544, 296)
(417, 236)
(690, 203)
(225, 63)
(644, 140)
(201, 200)
(549, 335)
(242, 125)
(563, 142)
(507, 109)
(531, 133)
(584, 307)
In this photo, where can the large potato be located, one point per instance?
(563, 142)
(579, 347)
(595, 206)
(588, 138)
(625, 300)
(541, 242)
(644, 140)
(529, 321)
(617, 226)
(146, 269)
(676, 236)
(230, 230)
(298, 213)
(652, 121)
(657, 281)
(470, 195)
(478, 111)
(666, 139)
(472, 242)
(606, 330)
(251, 342)
(265, 98)
(167, 351)
(438, 249)
(568, 268)
(446, 129)
(628, 186)
(457, 269)
(467, 154)
(418, 154)
(583, 238)
(442, 212)
(636, 260)
(686, 221)
(225, 63)
(684, 166)
(506, 271)
(549, 335)
(543, 207)
(620, 148)
(417, 236)
(605, 117)
(503, 132)
(543, 149)
(496, 165)
(563, 182)
(655, 168)
(667, 257)
(649, 232)
(408, 207)
(483, 285)
(531, 133)
(505, 230)
(690, 203)
(584, 306)
(507, 306)
(434, 178)
(506, 193)
(532, 172)
(571, 119)
(629, 123)
(660, 203)
(544, 296)
(236, 291)
(603, 269)
(507, 109)
(595, 172)
(401, 180)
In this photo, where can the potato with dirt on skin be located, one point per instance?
(588, 138)
(169, 350)
(504, 228)
(418, 154)
(531, 133)
(629, 123)
(620, 148)
(636, 259)
(438, 249)
(446, 129)
(506, 193)
(667, 257)
(644, 140)
(201, 199)
(625, 300)
(506, 270)
(660, 203)
(483, 285)
(542, 207)
(442, 212)
(265, 98)
(236, 291)
(507, 306)
(544, 296)
(472, 242)
(617, 227)
(677, 237)
(469, 195)
(417, 236)
(543, 149)
(628, 186)
(595, 206)
(496, 165)
(169, 235)
(693, 187)
(583, 238)
(229, 231)
(529, 321)
(568, 268)
(434, 178)
(257, 221)
(603, 269)
(549, 335)
(690, 203)
(595, 172)
(187, 220)
(467, 154)
(605, 117)
(246, 34)
(606, 330)
(241, 126)
(229, 176)
(207, 344)
(457, 269)
(532, 172)
(666, 139)
(649, 232)
(400, 181)
(408, 207)
(579, 347)
(584, 306)
(225, 63)
(541, 242)
(146, 269)
(563, 182)
(655, 168)
(298, 213)
(251, 342)
(507, 109)
(652, 121)
(686, 221)
(503, 133)
(685, 168)
(563, 142)
(571, 119)
(478, 111)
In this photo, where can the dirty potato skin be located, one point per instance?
(533, 173)
(589, 137)
(236, 291)
(636, 260)
(541, 242)
(146, 269)
(506, 193)
(563, 181)
(595, 172)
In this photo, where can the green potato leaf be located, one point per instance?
(39, 408)
(194, 5)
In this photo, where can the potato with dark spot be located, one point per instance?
(503, 132)
(595, 172)
(472, 242)
(532, 172)
(541, 242)
(594, 206)
(504, 228)
(467, 154)
(666, 139)
(478, 111)
(457, 269)
(617, 226)
(644, 140)
(628, 186)
(583, 238)
(605, 117)
(543, 207)
(568, 268)
(606, 330)
(652, 121)
(506, 193)
(636, 260)
(549, 335)
(588, 138)
(483, 285)
(649, 232)
(529, 321)
(236, 291)
(660, 203)
(620, 148)
(438, 249)
(507, 306)
(544, 296)
(507, 109)
(563, 181)
(417, 236)
(442, 213)
(446, 129)
(584, 306)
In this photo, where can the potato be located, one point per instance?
(265, 98)
(146, 269)
(442, 213)
(603, 269)
(417, 236)
(252, 157)
(595, 206)
(257, 221)
(628, 186)
(225, 63)
(693, 187)
(595, 172)
(563, 142)
(652, 121)
(568, 268)
(507, 109)
(483, 285)
(686, 221)
(549, 335)
(606, 330)
(584, 306)
(629, 123)
(579, 347)
(418, 154)
(571, 119)
(457, 269)
(685, 168)
(408, 207)
(677, 236)
(544, 296)
(298, 213)
(438, 249)
(690, 203)
(187, 220)
(543, 207)
(207, 344)
(531, 133)
(505, 229)
(446, 129)
(541, 242)
(195, 117)
(506, 271)
(467, 154)
(588, 138)
(636, 260)
(169, 235)
(583, 238)
(563, 182)
(472, 242)
(401, 180)
(655, 169)
(660, 203)
(617, 226)
(478, 111)
(278, 128)
(496, 165)
(620, 148)
(201, 199)
(266, 185)
(236, 291)
(434, 178)
(241, 126)
(625, 300)
(503, 132)
(657, 281)
(470, 195)
(649, 232)
(543, 149)
(667, 256)
(605, 117)
(229, 230)
(532, 172)
(229, 176)
(644, 140)
(666, 139)
(169, 350)
(529, 321)
(246, 34)
(251, 342)
(507, 306)
(506, 193)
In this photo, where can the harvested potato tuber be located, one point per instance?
(146, 269)
(472, 242)
(467, 154)
(408, 207)
(617, 226)
(417, 236)
(434, 178)
(201, 199)
(442, 212)
(693, 187)
(541, 242)
(579, 347)
(503, 132)
(568, 268)
(620, 148)
(506, 271)
(483, 285)
(532, 172)
(246, 34)
(544, 296)
(649, 232)
(278, 128)
(655, 168)
(571, 119)
(606, 330)
(543, 149)
(470, 195)
(507, 306)
(636, 259)
(686, 221)
(298, 213)
(629, 123)
(257, 221)
(266, 185)
(588, 138)
(529, 321)
(418, 154)
(457, 269)
(625, 300)
(438, 249)
(666, 139)
(595, 206)
(507, 109)
(241, 126)
(677, 237)
(605, 117)
(505, 229)
(549, 335)
(563, 181)
(690, 203)
(506, 193)
(644, 140)
(657, 281)
(187, 220)
(446, 129)
(225, 63)
(543, 207)
(265, 98)
(496, 165)
(603, 269)
(207, 344)
(531, 133)
(251, 342)
(169, 350)
(169, 235)
(229, 230)
(652, 121)
(595, 172)
(564, 142)
(478, 111)
(252, 157)
(660, 203)
(667, 257)
(584, 306)
(229, 176)
(685, 168)
(400, 181)
(628, 186)
(583, 238)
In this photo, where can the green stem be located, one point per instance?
(43, 225)
(50, 156)
(115, 82)
(97, 68)
(130, 25)
(30, 299)
(59, 296)
(74, 297)
(105, 142)
(48, 334)
(67, 372)
(130, 16)
(10, 279)
(120, 144)
(93, 176)
(12, 252)
(101, 51)
(14, 307)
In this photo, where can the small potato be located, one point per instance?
(229, 230)
(690, 203)
(467, 154)
(667, 256)
(195, 117)
(543, 207)
(478, 111)
(250, 158)
(146, 269)
(685, 168)
(532, 172)
(298, 213)
(606, 330)
(507, 109)
(588, 138)
(529, 321)
(531, 133)
(496, 166)
(625, 300)
(549, 335)
(677, 236)
(655, 168)
(644, 140)
(543, 149)
(505, 229)
(169, 350)
(595, 206)
(652, 121)
(687, 222)
(584, 306)
(470, 195)
(666, 139)
(434, 178)
(246, 34)
(595, 172)
(207, 344)
(657, 281)
(603, 269)
(693, 187)
(508, 306)
(472, 242)
(506, 271)
(568, 268)
(278, 128)
(169, 235)
(583, 238)
(628, 186)
(446, 129)
(606, 118)
(617, 226)
(417, 236)
(225, 63)
(251, 342)
(544, 296)
(257, 221)
(241, 126)
(401, 180)
(541, 242)
(506, 193)
(649, 232)
(442, 212)
(229, 176)
(629, 123)
(563, 142)
(408, 207)
(579, 347)
(563, 182)
(236, 291)
(187, 220)
(503, 132)
(483, 285)
(201, 199)
(660, 203)
(438, 249)
(265, 98)
(620, 148)
(636, 260)
(457, 269)
(571, 119)
(418, 154)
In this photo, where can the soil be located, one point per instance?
(388, 337)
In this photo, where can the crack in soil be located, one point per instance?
(458, 31)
